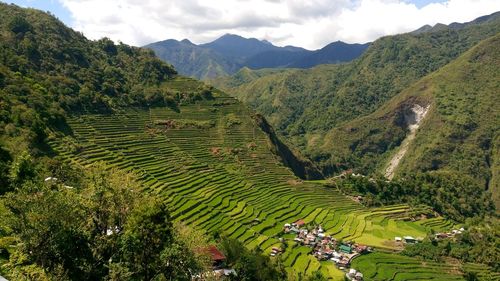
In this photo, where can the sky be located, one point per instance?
(311, 24)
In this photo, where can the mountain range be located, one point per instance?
(229, 53)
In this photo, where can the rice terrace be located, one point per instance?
(310, 141)
(214, 167)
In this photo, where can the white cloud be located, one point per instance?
(310, 24)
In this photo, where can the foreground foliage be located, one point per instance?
(104, 228)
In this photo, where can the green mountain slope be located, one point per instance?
(462, 132)
(304, 105)
(458, 135)
(193, 60)
(47, 70)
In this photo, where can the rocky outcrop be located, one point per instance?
(302, 168)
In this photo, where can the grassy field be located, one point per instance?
(222, 177)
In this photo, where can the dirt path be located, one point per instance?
(413, 120)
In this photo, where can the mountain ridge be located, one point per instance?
(229, 53)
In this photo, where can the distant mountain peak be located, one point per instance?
(232, 35)
(267, 42)
(229, 36)
(186, 41)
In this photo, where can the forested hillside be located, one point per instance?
(456, 144)
(305, 105)
(458, 133)
(47, 70)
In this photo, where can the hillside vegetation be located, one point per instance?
(316, 110)
(459, 135)
(47, 69)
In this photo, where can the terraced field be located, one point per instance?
(213, 166)
(381, 266)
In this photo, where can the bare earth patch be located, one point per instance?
(414, 119)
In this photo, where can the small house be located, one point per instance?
(441, 235)
(361, 248)
(409, 240)
(217, 256)
(345, 249)
(299, 223)
(335, 260)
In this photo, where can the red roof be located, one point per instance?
(300, 223)
(216, 254)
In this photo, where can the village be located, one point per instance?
(325, 247)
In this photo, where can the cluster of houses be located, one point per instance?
(437, 236)
(444, 235)
(325, 247)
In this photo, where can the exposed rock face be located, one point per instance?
(413, 119)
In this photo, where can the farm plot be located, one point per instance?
(381, 266)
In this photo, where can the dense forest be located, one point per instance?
(306, 106)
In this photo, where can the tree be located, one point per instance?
(251, 265)
(108, 199)
(49, 223)
(22, 169)
(5, 160)
(19, 25)
(151, 247)
(147, 233)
